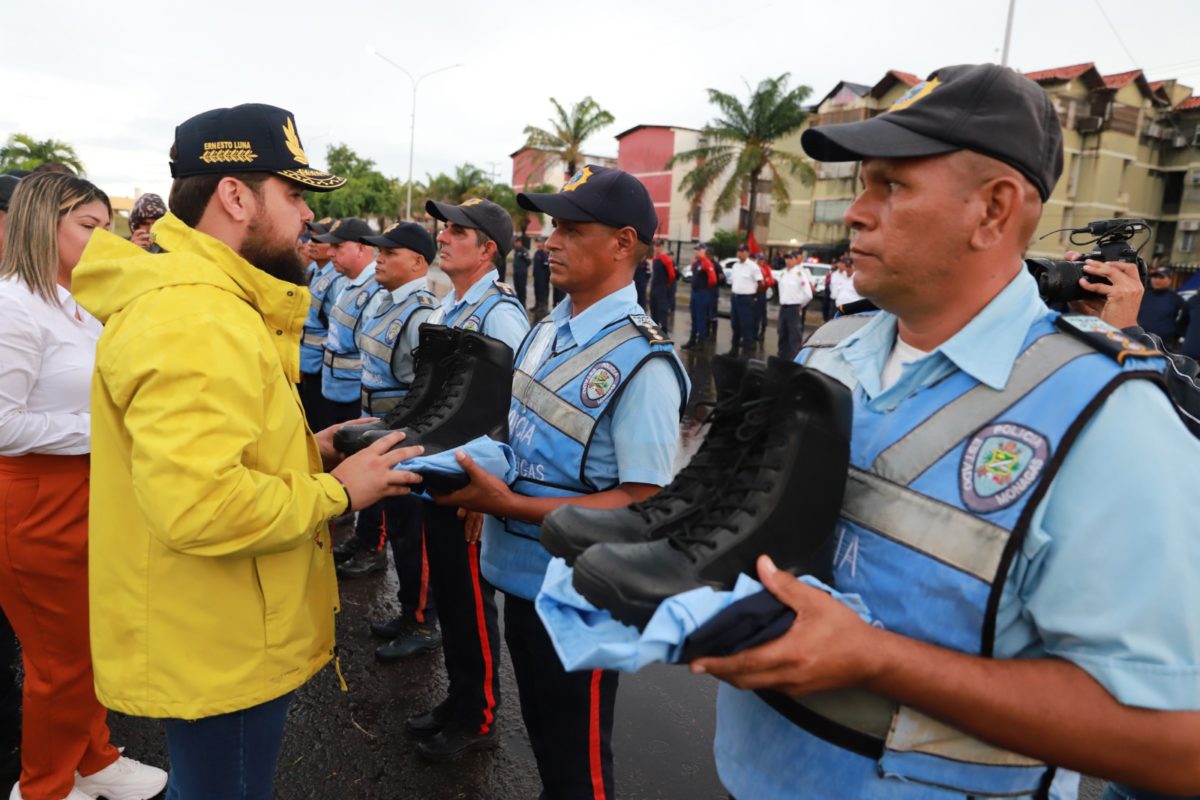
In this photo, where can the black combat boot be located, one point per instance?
(783, 500)
(473, 401)
(569, 530)
(435, 347)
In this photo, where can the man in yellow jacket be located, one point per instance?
(211, 578)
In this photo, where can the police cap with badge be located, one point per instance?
(407, 236)
(321, 226)
(349, 229)
(483, 215)
(248, 138)
(606, 195)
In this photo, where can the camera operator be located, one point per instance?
(1121, 300)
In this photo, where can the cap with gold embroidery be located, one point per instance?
(248, 138)
(606, 195)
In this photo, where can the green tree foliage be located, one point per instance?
(567, 132)
(505, 196)
(743, 137)
(723, 243)
(367, 190)
(22, 151)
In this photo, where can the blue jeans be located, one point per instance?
(226, 757)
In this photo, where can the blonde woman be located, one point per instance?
(47, 348)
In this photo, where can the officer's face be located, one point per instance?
(459, 251)
(319, 251)
(912, 223)
(396, 266)
(583, 255)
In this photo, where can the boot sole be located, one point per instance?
(424, 651)
(473, 747)
(599, 591)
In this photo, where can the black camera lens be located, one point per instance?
(1058, 281)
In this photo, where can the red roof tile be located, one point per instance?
(907, 77)
(1189, 104)
(1157, 84)
(1119, 79)
(1060, 73)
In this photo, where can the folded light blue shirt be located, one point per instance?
(494, 457)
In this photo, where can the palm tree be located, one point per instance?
(505, 196)
(567, 133)
(466, 182)
(22, 151)
(744, 137)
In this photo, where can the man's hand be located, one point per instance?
(330, 455)
(827, 647)
(1122, 298)
(473, 524)
(141, 238)
(485, 493)
(368, 475)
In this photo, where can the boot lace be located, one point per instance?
(447, 393)
(421, 379)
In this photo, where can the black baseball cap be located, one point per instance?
(1163, 271)
(320, 226)
(743, 246)
(606, 195)
(483, 215)
(408, 235)
(248, 138)
(985, 108)
(8, 184)
(348, 229)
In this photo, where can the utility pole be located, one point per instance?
(1012, 5)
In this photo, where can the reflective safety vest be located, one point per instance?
(342, 372)
(938, 500)
(557, 402)
(376, 339)
(326, 284)
(470, 316)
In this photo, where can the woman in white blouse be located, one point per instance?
(47, 348)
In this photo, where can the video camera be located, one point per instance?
(1058, 281)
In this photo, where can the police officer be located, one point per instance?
(745, 285)
(594, 420)
(520, 264)
(387, 337)
(476, 238)
(999, 641)
(703, 276)
(662, 286)
(325, 283)
(795, 292)
(541, 279)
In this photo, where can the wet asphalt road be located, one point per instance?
(352, 744)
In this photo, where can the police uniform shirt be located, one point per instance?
(402, 363)
(505, 322)
(640, 436)
(795, 286)
(746, 277)
(367, 273)
(1111, 561)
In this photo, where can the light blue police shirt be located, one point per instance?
(506, 322)
(1108, 577)
(402, 367)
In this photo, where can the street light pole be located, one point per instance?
(412, 129)
(1012, 4)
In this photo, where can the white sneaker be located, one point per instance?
(124, 779)
(75, 794)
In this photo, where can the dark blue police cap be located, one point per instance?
(606, 195)
(348, 229)
(248, 138)
(408, 235)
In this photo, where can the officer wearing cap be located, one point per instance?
(476, 239)
(703, 302)
(995, 527)
(324, 284)
(594, 420)
(341, 373)
(387, 339)
(211, 587)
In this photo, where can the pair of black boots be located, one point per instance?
(461, 388)
(768, 478)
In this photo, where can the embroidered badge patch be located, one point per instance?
(578, 179)
(1000, 464)
(393, 331)
(599, 383)
(322, 285)
(921, 90)
(361, 300)
(472, 324)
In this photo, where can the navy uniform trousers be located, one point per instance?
(401, 521)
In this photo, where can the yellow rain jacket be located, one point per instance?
(211, 578)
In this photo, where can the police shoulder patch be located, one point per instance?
(601, 380)
(393, 331)
(1001, 463)
(361, 300)
(649, 329)
(1104, 337)
(426, 300)
(505, 289)
(473, 323)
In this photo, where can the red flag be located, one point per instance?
(753, 245)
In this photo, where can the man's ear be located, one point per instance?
(626, 245)
(1003, 199)
(236, 200)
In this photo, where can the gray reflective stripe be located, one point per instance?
(923, 446)
(341, 316)
(573, 423)
(378, 405)
(832, 364)
(834, 331)
(954, 537)
(342, 362)
(375, 347)
(313, 339)
(905, 730)
(466, 313)
(561, 375)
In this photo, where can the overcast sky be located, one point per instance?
(113, 79)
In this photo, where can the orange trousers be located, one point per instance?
(44, 593)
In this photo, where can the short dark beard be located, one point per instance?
(277, 260)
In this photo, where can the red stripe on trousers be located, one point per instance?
(382, 530)
(594, 737)
(484, 642)
(424, 594)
